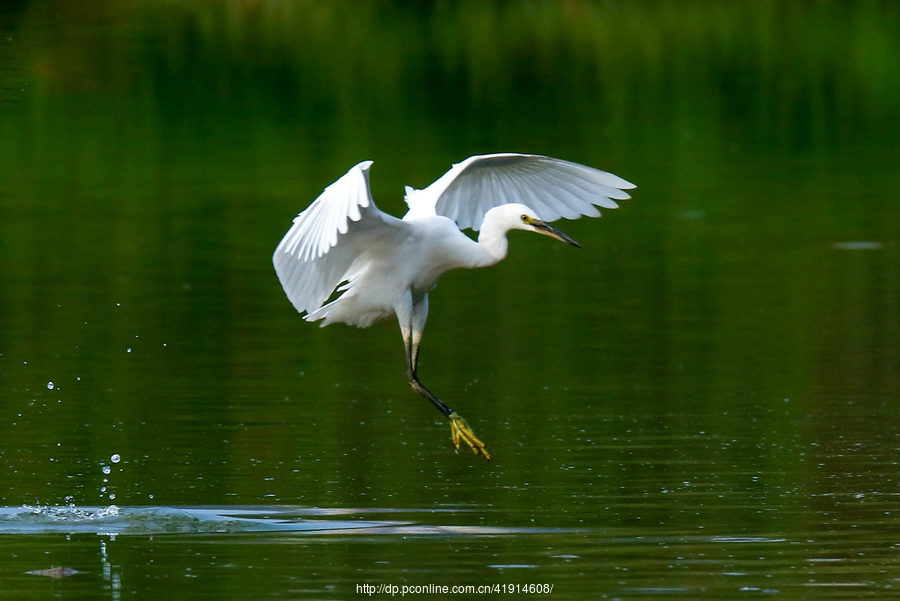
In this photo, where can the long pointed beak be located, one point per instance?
(542, 228)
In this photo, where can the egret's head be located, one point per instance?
(524, 218)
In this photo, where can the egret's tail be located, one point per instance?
(347, 309)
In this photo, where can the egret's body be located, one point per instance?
(411, 263)
(383, 266)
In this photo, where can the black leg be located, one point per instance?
(412, 334)
(412, 361)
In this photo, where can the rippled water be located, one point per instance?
(293, 550)
(148, 521)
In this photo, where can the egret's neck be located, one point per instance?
(493, 239)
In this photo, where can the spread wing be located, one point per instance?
(553, 188)
(315, 255)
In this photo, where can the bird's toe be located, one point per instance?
(461, 430)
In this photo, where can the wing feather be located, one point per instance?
(567, 195)
(317, 252)
(554, 188)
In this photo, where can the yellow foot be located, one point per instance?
(461, 430)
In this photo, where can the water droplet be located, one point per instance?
(106, 469)
(49, 385)
(112, 496)
(115, 458)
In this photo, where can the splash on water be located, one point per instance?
(112, 520)
(55, 572)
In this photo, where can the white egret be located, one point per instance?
(383, 266)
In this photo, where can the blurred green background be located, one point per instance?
(723, 351)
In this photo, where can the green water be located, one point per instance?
(700, 403)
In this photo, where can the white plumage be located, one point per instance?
(384, 266)
(553, 188)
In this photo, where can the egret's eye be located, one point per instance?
(524, 218)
